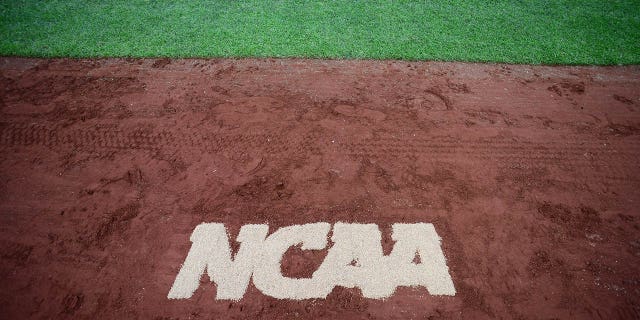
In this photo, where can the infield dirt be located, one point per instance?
(530, 175)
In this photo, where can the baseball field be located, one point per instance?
(335, 160)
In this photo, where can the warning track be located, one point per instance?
(529, 175)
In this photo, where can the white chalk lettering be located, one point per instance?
(355, 260)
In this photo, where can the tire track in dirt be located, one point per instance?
(115, 139)
(578, 152)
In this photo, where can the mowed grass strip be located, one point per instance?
(535, 31)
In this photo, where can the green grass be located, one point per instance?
(535, 31)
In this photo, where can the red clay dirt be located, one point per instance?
(530, 175)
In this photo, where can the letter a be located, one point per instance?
(355, 260)
(431, 271)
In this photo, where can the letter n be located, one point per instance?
(210, 252)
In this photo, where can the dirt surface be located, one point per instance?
(531, 176)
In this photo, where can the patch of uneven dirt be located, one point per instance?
(529, 174)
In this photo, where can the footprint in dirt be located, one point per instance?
(431, 100)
